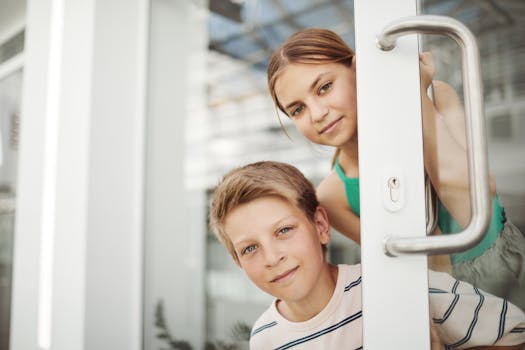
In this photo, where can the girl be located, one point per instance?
(311, 79)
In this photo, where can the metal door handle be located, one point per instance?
(476, 143)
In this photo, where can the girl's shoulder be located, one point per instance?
(331, 190)
(329, 184)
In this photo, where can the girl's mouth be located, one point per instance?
(330, 126)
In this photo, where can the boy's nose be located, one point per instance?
(273, 256)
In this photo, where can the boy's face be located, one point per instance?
(278, 247)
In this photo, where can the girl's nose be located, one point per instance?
(318, 111)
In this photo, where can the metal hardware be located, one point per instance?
(393, 184)
(476, 143)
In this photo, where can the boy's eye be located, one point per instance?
(296, 111)
(324, 88)
(249, 249)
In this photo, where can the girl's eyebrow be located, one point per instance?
(316, 81)
(312, 87)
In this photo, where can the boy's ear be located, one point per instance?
(353, 63)
(322, 224)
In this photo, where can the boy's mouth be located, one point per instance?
(285, 275)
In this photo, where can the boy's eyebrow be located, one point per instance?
(240, 243)
(312, 86)
(273, 226)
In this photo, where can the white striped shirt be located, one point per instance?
(464, 315)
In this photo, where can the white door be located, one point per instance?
(390, 146)
(393, 226)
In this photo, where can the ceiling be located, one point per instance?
(250, 30)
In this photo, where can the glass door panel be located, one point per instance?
(499, 29)
(10, 91)
(241, 40)
(11, 62)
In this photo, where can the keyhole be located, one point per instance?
(394, 184)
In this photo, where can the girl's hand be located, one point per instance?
(435, 341)
(426, 69)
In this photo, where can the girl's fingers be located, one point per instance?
(425, 58)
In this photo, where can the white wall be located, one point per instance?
(79, 225)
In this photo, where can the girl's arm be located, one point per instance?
(444, 145)
(439, 262)
(331, 195)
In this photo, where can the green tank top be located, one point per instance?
(448, 225)
(351, 188)
(446, 222)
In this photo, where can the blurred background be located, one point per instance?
(202, 108)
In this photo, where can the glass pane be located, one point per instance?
(246, 129)
(496, 264)
(239, 124)
(10, 92)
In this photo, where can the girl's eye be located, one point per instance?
(296, 111)
(249, 249)
(323, 89)
(284, 230)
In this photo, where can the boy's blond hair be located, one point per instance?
(254, 181)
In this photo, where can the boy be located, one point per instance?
(268, 217)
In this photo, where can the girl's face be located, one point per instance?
(279, 248)
(321, 101)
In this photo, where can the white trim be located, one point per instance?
(143, 47)
(27, 239)
(53, 97)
